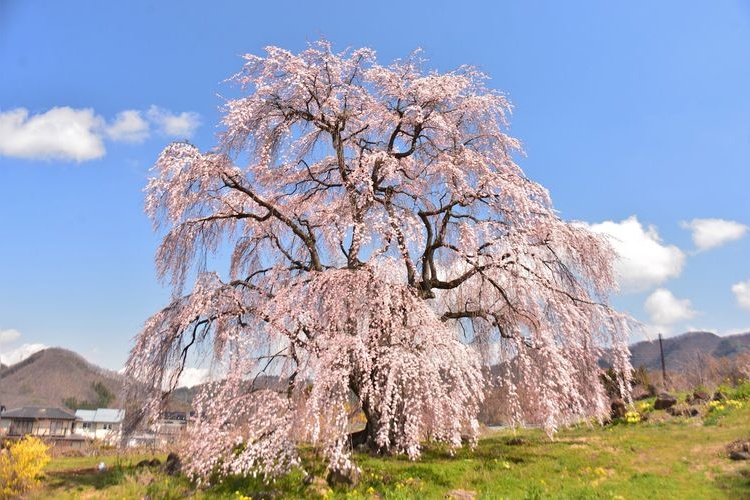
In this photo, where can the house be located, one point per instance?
(143, 438)
(37, 421)
(172, 426)
(103, 424)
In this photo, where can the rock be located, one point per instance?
(516, 441)
(155, 462)
(664, 400)
(317, 485)
(639, 394)
(739, 450)
(719, 396)
(618, 409)
(461, 495)
(683, 410)
(143, 463)
(701, 396)
(173, 464)
(346, 477)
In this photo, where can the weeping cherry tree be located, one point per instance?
(381, 246)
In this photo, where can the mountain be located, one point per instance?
(54, 375)
(684, 350)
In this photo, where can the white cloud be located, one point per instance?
(666, 309)
(8, 336)
(128, 126)
(176, 125)
(713, 233)
(741, 292)
(20, 353)
(64, 133)
(191, 377)
(644, 261)
(60, 133)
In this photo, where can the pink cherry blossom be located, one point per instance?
(376, 243)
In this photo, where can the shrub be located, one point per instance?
(21, 465)
(742, 391)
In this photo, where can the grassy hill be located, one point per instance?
(51, 376)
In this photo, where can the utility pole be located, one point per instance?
(663, 368)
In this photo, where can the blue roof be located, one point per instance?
(103, 415)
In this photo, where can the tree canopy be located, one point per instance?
(382, 246)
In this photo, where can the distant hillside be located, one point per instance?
(49, 377)
(181, 398)
(682, 351)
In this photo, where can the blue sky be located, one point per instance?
(635, 115)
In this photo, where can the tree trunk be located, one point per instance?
(365, 438)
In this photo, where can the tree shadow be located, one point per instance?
(87, 478)
(736, 483)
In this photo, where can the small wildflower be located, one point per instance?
(632, 417)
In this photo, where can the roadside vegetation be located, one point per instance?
(646, 453)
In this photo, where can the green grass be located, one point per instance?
(63, 464)
(675, 458)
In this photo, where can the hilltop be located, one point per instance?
(50, 376)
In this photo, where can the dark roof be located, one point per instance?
(37, 412)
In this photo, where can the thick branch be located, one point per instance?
(307, 238)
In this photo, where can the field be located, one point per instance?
(663, 457)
